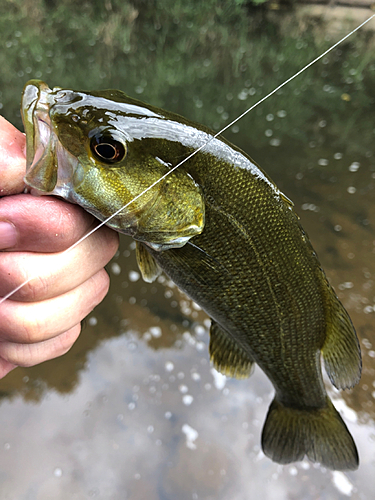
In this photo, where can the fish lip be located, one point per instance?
(49, 166)
(35, 106)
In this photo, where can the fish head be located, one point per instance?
(103, 151)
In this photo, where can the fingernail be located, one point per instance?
(8, 235)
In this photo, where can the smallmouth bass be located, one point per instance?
(223, 232)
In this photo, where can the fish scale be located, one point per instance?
(251, 298)
(223, 232)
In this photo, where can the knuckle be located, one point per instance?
(100, 286)
(114, 241)
(30, 330)
(22, 323)
(17, 275)
(14, 354)
(35, 289)
(62, 217)
(14, 324)
(26, 355)
(107, 241)
(67, 339)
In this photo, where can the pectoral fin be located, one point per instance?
(227, 356)
(146, 263)
(341, 351)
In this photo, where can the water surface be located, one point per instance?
(135, 410)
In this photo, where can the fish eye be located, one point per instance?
(107, 149)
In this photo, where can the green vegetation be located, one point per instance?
(207, 60)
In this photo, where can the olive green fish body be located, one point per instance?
(224, 233)
(255, 273)
(258, 297)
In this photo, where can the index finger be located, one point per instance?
(12, 159)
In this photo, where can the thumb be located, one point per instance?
(12, 159)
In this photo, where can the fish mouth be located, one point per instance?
(37, 123)
(49, 167)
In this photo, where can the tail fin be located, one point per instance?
(289, 434)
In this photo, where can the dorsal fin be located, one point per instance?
(287, 200)
(227, 356)
(146, 263)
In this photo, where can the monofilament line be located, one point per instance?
(197, 150)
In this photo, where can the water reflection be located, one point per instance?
(134, 410)
(157, 315)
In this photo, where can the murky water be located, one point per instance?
(134, 410)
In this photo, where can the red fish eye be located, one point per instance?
(107, 150)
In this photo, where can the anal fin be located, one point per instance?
(227, 356)
(341, 351)
(146, 263)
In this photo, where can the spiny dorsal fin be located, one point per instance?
(341, 351)
(287, 200)
(227, 356)
(146, 263)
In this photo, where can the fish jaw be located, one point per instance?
(162, 214)
(49, 166)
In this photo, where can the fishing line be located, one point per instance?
(196, 151)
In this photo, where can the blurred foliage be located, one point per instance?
(207, 60)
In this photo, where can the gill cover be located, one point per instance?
(81, 147)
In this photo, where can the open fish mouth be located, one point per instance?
(49, 167)
(68, 138)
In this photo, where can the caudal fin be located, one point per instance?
(289, 434)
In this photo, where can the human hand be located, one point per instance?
(42, 320)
